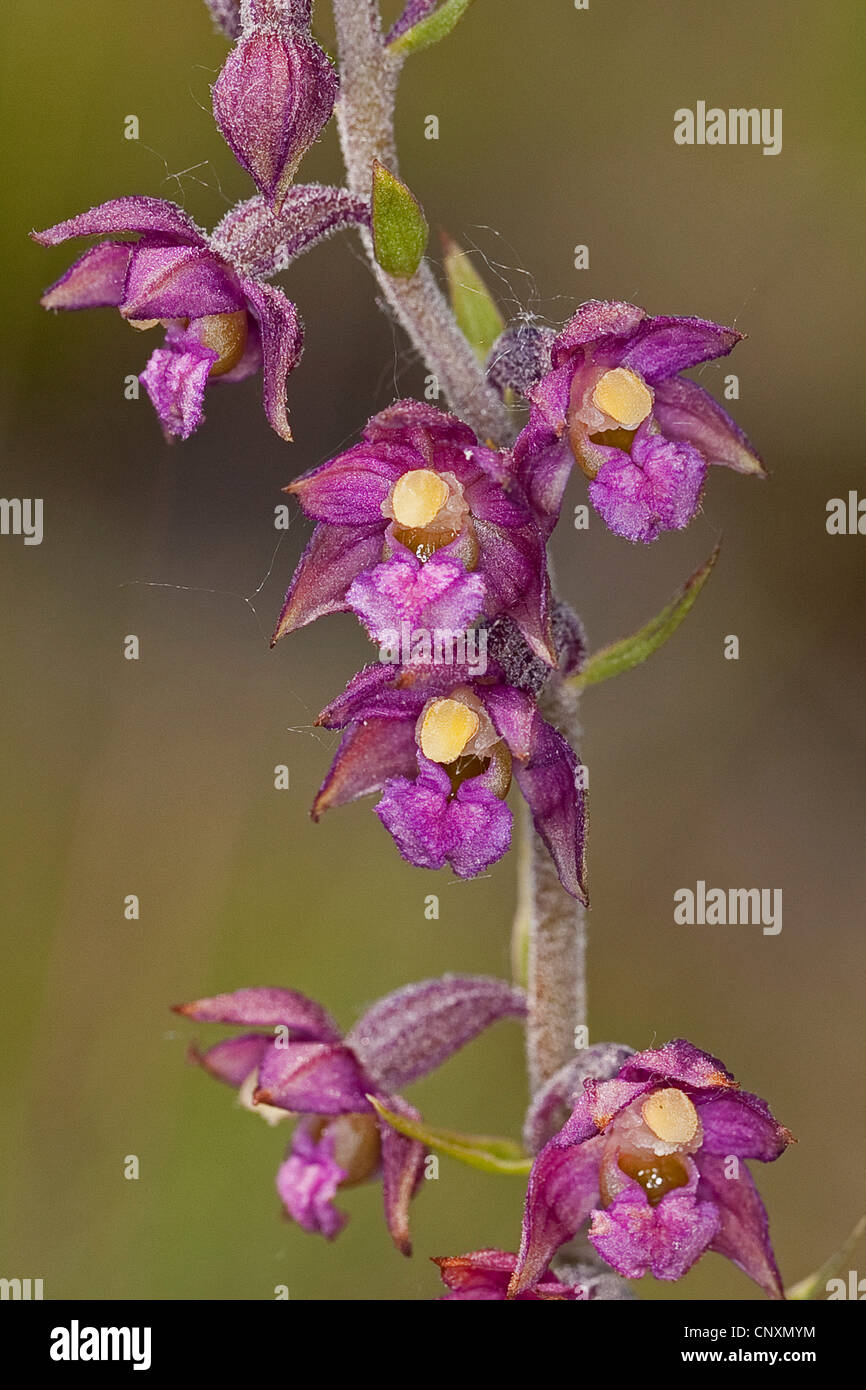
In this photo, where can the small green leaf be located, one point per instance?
(399, 225)
(491, 1155)
(428, 31)
(474, 308)
(814, 1285)
(631, 651)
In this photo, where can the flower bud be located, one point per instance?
(271, 101)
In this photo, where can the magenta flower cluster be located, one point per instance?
(437, 541)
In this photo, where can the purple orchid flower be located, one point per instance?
(274, 97)
(441, 745)
(654, 1157)
(484, 1275)
(305, 1067)
(421, 524)
(613, 400)
(221, 324)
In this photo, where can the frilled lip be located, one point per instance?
(379, 709)
(666, 1239)
(563, 1184)
(173, 273)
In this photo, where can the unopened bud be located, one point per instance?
(271, 101)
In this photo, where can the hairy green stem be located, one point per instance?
(365, 120)
(557, 937)
(556, 977)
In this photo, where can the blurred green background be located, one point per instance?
(156, 777)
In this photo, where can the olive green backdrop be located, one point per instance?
(156, 777)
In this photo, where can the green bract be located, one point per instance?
(399, 225)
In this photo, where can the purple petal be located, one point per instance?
(498, 467)
(415, 814)
(267, 1007)
(411, 1032)
(331, 561)
(488, 478)
(233, 1059)
(367, 693)
(514, 564)
(514, 716)
(407, 420)
(594, 321)
(313, 1078)
(470, 832)
(595, 1108)
(549, 783)
(562, 1191)
(350, 489)
(133, 214)
(484, 1275)
(96, 280)
(282, 344)
(479, 829)
(369, 754)
(384, 691)
(174, 282)
(438, 594)
(682, 1063)
(635, 1237)
(545, 460)
(271, 101)
(307, 1181)
(175, 379)
(662, 346)
(562, 1092)
(684, 410)
(740, 1123)
(657, 489)
(743, 1235)
(402, 1172)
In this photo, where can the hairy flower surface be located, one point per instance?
(612, 399)
(442, 746)
(272, 100)
(220, 323)
(305, 1067)
(420, 522)
(654, 1159)
(484, 1275)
